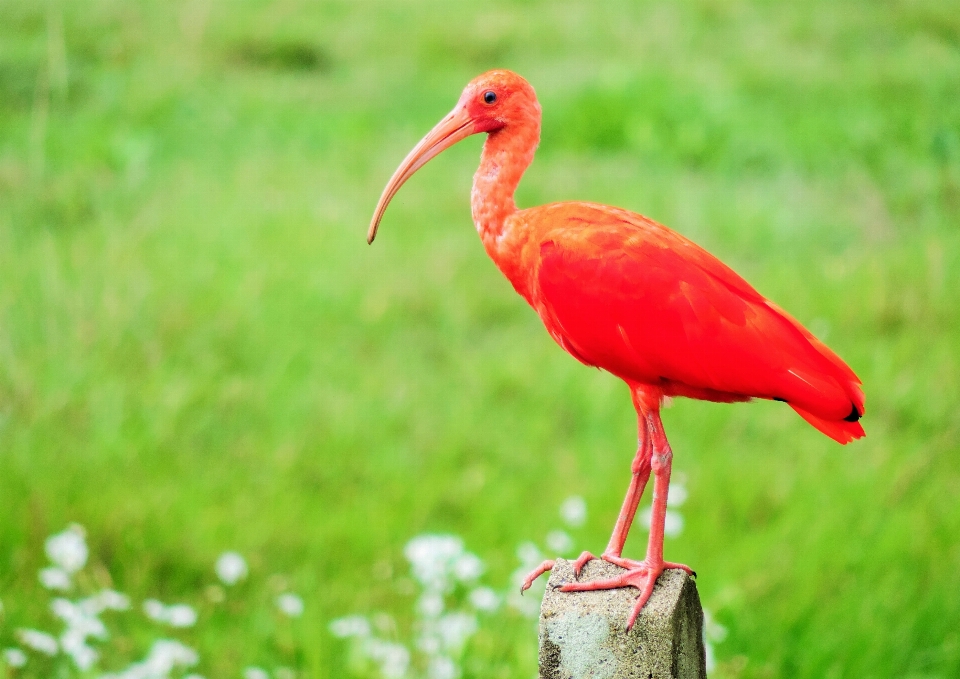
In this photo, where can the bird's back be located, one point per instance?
(623, 293)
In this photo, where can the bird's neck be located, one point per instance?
(506, 155)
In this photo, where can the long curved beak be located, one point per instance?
(455, 126)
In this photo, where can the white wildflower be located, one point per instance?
(290, 605)
(68, 549)
(441, 667)
(484, 599)
(173, 653)
(82, 622)
(672, 522)
(468, 567)
(181, 615)
(73, 642)
(255, 673)
(432, 557)
(55, 578)
(78, 620)
(530, 558)
(162, 658)
(429, 644)
(14, 657)
(574, 511)
(105, 600)
(175, 615)
(438, 563)
(455, 629)
(677, 494)
(430, 604)
(712, 629)
(72, 614)
(38, 641)
(529, 555)
(558, 541)
(231, 568)
(394, 659)
(154, 609)
(350, 626)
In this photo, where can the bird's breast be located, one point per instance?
(513, 248)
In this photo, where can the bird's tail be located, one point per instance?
(841, 431)
(849, 428)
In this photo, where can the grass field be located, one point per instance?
(199, 352)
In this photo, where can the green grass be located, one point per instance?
(199, 352)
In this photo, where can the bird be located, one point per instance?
(625, 294)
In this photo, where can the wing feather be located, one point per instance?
(628, 295)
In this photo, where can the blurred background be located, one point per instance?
(200, 354)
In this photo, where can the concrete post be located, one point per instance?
(583, 634)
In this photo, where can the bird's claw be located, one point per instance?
(683, 567)
(615, 559)
(640, 574)
(582, 561)
(536, 573)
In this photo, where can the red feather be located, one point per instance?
(623, 293)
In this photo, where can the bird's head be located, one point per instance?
(498, 99)
(490, 102)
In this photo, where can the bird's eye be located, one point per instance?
(489, 97)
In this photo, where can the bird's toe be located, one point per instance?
(536, 573)
(581, 562)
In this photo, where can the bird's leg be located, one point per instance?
(643, 574)
(662, 464)
(640, 470)
(641, 473)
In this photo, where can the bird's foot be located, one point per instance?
(618, 560)
(577, 567)
(640, 574)
(582, 561)
(536, 573)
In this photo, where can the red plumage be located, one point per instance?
(620, 292)
(623, 293)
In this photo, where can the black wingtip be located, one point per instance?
(854, 415)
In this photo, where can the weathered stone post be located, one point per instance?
(583, 634)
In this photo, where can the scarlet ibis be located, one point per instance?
(623, 293)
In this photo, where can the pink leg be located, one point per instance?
(638, 482)
(641, 474)
(643, 574)
(662, 463)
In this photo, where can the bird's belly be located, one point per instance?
(640, 355)
(605, 346)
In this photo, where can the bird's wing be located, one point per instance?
(633, 297)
